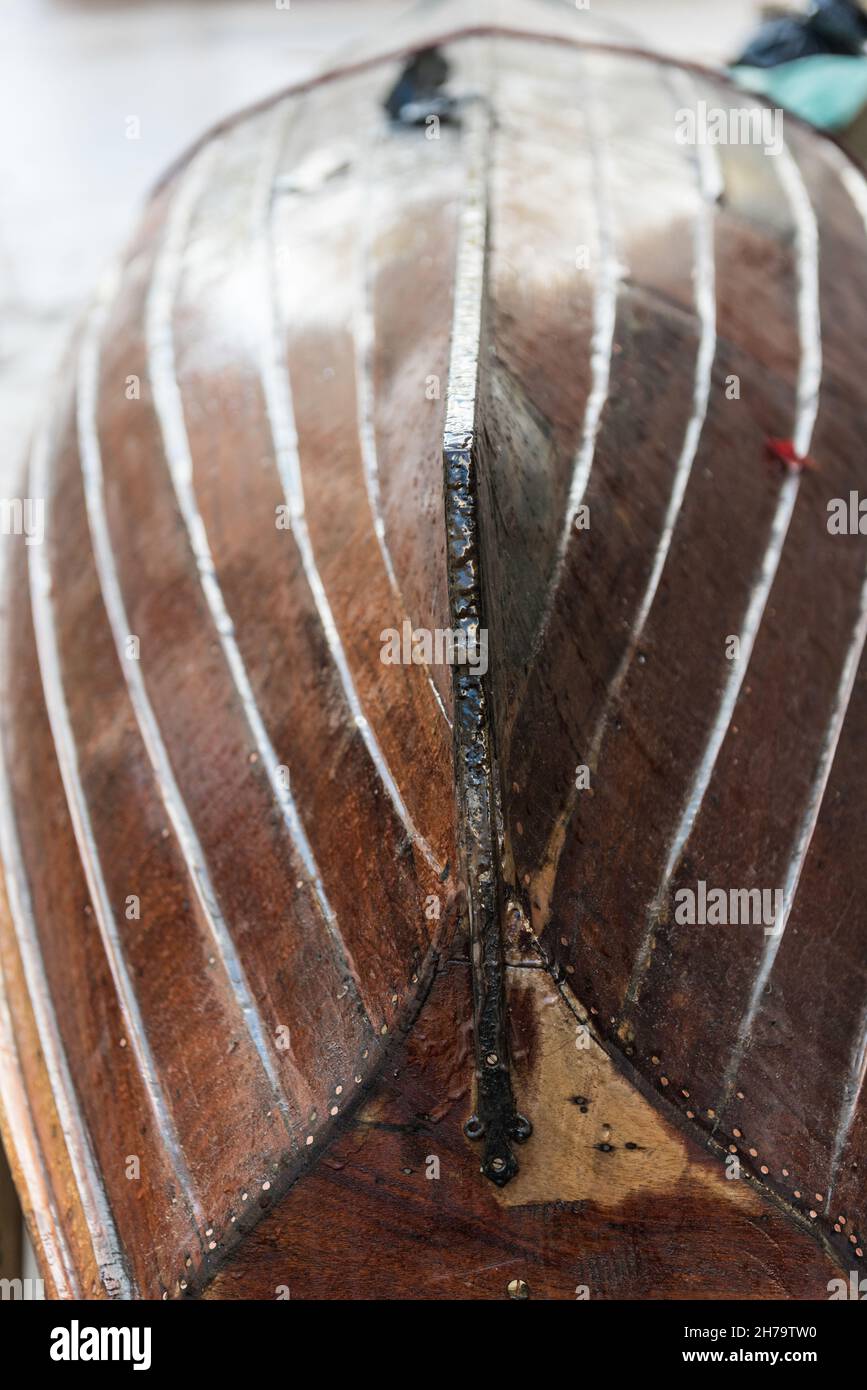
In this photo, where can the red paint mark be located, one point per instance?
(783, 450)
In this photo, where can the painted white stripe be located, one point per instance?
(91, 466)
(704, 276)
(278, 397)
(364, 334)
(67, 757)
(91, 1192)
(809, 379)
(170, 413)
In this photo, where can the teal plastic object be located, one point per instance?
(826, 90)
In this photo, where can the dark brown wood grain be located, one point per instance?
(396, 1231)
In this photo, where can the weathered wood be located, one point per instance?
(238, 875)
(611, 1201)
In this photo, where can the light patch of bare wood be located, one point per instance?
(586, 1113)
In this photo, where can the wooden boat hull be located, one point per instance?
(332, 976)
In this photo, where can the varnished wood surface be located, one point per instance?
(702, 768)
(611, 1202)
(281, 804)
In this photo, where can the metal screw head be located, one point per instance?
(518, 1289)
(492, 1059)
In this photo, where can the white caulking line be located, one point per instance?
(365, 338)
(710, 183)
(809, 320)
(67, 757)
(809, 379)
(611, 273)
(41, 1200)
(439, 699)
(191, 849)
(749, 631)
(278, 398)
(849, 1107)
(91, 1191)
(170, 413)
